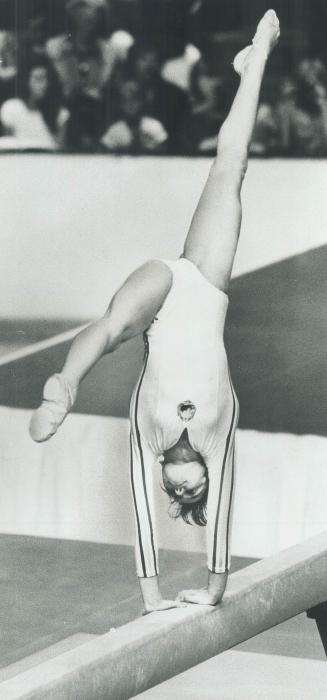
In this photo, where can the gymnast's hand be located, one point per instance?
(200, 596)
(152, 597)
(210, 594)
(163, 605)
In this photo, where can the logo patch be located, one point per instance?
(186, 411)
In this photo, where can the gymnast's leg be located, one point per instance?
(130, 312)
(212, 239)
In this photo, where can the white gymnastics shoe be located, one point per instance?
(58, 398)
(265, 38)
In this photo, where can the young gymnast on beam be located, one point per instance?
(184, 410)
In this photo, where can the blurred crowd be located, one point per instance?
(93, 90)
(294, 123)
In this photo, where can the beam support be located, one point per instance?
(319, 614)
(143, 653)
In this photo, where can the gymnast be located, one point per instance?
(184, 410)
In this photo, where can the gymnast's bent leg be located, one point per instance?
(130, 312)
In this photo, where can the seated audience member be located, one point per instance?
(169, 21)
(301, 112)
(206, 112)
(311, 70)
(135, 132)
(32, 42)
(177, 69)
(86, 124)
(266, 138)
(163, 101)
(285, 105)
(35, 119)
(8, 64)
(84, 59)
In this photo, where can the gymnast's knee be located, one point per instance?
(231, 162)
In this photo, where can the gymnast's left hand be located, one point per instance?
(199, 596)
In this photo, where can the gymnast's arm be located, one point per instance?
(130, 313)
(146, 548)
(217, 531)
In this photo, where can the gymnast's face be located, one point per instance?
(187, 479)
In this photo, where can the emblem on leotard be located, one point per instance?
(186, 411)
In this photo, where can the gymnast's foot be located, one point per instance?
(265, 39)
(58, 398)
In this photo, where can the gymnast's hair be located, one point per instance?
(196, 511)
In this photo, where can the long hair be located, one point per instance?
(52, 102)
(196, 511)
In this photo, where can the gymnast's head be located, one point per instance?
(186, 483)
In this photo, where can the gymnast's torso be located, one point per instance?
(185, 381)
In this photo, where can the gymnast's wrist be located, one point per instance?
(150, 592)
(216, 585)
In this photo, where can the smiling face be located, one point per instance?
(187, 480)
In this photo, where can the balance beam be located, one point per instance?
(143, 653)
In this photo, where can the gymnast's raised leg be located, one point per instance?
(212, 239)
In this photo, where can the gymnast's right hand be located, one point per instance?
(152, 597)
(163, 605)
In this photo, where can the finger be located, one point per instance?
(165, 605)
(185, 599)
(183, 595)
(173, 604)
(191, 598)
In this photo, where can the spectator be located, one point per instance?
(168, 21)
(8, 64)
(83, 58)
(32, 43)
(284, 107)
(86, 124)
(311, 70)
(177, 69)
(35, 119)
(135, 132)
(84, 61)
(266, 135)
(265, 140)
(201, 127)
(163, 101)
(303, 114)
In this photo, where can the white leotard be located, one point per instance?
(185, 383)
